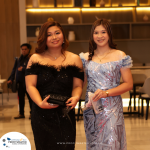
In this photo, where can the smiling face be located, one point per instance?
(54, 37)
(100, 36)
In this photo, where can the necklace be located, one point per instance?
(54, 56)
(103, 57)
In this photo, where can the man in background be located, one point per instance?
(19, 72)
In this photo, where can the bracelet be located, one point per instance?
(107, 93)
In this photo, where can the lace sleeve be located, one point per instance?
(127, 62)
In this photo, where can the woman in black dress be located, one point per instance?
(53, 70)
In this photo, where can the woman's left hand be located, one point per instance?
(99, 94)
(71, 102)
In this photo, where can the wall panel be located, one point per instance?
(9, 37)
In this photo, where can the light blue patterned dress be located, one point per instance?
(106, 130)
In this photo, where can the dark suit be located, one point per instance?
(20, 79)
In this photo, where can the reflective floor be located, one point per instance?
(137, 128)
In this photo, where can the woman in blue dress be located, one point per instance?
(104, 66)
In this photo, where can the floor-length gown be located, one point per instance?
(106, 130)
(51, 128)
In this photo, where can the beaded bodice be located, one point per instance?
(54, 80)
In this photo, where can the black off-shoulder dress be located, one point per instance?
(53, 131)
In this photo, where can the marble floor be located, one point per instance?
(137, 128)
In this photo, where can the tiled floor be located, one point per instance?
(137, 128)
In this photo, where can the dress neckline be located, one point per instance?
(54, 67)
(105, 62)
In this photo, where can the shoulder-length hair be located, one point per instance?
(42, 38)
(92, 45)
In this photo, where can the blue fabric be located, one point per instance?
(106, 130)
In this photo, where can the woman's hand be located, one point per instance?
(99, 94)
(72, 102)
(45, 105)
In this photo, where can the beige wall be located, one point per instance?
(9, 37)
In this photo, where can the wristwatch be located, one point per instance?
(107, 93)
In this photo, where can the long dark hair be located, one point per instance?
(42, 38)
(92, 45)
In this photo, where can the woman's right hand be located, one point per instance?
(45, 105)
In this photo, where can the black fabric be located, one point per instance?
(55, 80)
(14, 86)
(20, 75)
(52, 130)
(13, 73)
(20, 80)
(21, 94)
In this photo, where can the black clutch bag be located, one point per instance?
(58, 99)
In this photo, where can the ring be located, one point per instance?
(51, 104)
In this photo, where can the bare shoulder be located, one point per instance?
(34, 59)
(74, 59)
(119, 54)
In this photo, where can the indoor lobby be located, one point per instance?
(130, 21)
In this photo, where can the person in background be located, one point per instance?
(53, 70)
(19, 72)
(104, 65)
